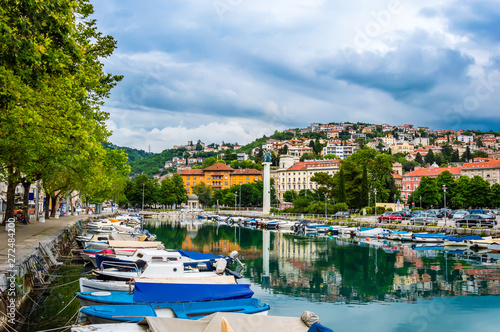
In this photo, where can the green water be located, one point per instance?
(350, 285)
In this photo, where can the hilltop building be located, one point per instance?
(411, 180)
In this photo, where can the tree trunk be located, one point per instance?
(53, 205)
(46, 206)
(26, 199)
(11, 196)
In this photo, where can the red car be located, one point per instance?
(391, 217)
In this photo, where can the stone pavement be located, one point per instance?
(27, 237)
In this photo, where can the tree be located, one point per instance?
(54, 87)
(419, 159)
(289, 196)
(479, 154)
(204, 193)
(208, 162)
(429, 191)
(180, 191)
(330, 157)
(467, 155)
(429, 157)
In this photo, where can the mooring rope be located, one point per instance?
(74, 297)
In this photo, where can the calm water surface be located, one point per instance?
(351, 285)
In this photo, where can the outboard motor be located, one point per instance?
(234, 257)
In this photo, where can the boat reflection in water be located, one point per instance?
(333, 276)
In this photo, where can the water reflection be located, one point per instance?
(340, 270)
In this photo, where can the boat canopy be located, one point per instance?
(465, 238)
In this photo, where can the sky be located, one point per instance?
(235, 70)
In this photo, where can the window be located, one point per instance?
(225, 178)
(225, 183)
(187, 178)
(187, 184)
(194, 177)
(194, 183)
(248, 178)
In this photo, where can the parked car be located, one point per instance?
(424, 219)
(391, 217)
(496, 212)
(416, 213)
(436, 212)
(482, 211)
(342, 215)
(476, 220)
(448, 212)
(459, 214)
(406, 214)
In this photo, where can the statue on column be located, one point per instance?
(266, 156)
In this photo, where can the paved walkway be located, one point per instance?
(29, 236)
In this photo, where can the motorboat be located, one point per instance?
(379, 233)
(104, 314)
(217, 322)
(190, 258)
(461, 241)
(151, 292)
(93, 285)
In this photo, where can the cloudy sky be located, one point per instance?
(234, 70)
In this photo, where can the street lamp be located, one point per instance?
(420, 202)
(326, 196)
(445, 213)
(143, 197)
(239, 205)
(375, 191)
(235, 198)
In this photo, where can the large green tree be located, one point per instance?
(53, 85)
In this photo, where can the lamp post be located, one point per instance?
(143, 197)
(239, 205)
(375, 192)
(326, 197)
(420, 202)
(235, 199)
(445, 213)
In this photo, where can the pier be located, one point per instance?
(28, 257)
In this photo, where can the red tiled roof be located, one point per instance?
(191, 172)
(488, 164)
(316, 163)
(247, 171)
(219, 167)
(435, 171)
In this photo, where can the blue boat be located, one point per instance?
(147, 293)
(105, 314)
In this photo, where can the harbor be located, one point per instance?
(352, 282)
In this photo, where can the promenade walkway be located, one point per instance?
(29, 236)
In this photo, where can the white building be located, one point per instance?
(295, 175)
(341, 151)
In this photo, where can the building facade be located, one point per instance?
(488, 170)
(411, 180)
(219, 176)
(296, 176)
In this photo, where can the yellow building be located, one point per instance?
(219, 176)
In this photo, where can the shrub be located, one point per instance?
(369, 209)
(340, 207)
(389, 210)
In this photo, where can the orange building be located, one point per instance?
(219, 176)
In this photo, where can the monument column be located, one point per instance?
(266, 178)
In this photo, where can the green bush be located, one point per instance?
(380, 209)
(389, 210)
(369, 209)
(340, 207)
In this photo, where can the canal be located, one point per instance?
(351, 284)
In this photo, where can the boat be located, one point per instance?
(151, 292)
(319, 228)
(105, 314)
(483, 244)
(494, 246)
(189, 258)
(400, 236)
(433, 238)
(373, 232)
(93, 285)
(461, 241)
(217, 322)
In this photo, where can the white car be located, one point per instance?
(459, 214)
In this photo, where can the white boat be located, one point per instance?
(217, 322)
(92, 285)
(494, 246)
(483, 244)
(374, 233)
(142, 269)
